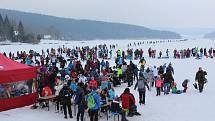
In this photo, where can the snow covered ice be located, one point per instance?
(190, 106)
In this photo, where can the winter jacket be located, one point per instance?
(80, 98)
(168, 78)
(170, 68)
(127, 100)
(104, 85)
(141, 84)
(135, 70)
(58, 88)
(120, 61)
(66, 95)
(158, 83)
(46, 91)
(129, 74)
(200, 76)
(111, 95)
(73, 87)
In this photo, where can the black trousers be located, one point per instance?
(201, 86)
(93, 115)
(130, 81)
(80, 113)
(57, 99)
(65, 107)
(158, 91)
(135, 77)
(142, 97)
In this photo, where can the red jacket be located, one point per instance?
(93, 83)
(46, 91)
(127, 100)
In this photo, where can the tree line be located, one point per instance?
(10, 30)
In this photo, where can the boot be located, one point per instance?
(137, 113)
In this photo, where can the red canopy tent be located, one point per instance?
(11, 71)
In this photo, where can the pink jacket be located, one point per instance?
(158, 83)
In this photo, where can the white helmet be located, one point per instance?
(67, 77)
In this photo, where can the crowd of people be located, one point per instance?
(83, 76)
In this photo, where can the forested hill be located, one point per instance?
(83, 29)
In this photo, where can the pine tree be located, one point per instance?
(1, 28)
(8, 29)
(21, 34)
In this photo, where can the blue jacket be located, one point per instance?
(135, 70)
(73, 87)
(97, 100)
(71, 66)
(104, 85)
(120, 61)
(93, 73)
(103, 64)
(28, 61)
(111, 95)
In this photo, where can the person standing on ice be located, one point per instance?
(129, 76)
(142, 63)
(66, 95)
(128, 102)
(200, 78)
(168, 79)
(80, 101)
(170, 68)
(167, 52)
(141, 85)
(158, 85)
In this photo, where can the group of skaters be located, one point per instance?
(84, 77)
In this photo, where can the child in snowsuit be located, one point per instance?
(184, 85)
(175, 90)
(158, 84)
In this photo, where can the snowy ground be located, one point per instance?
(192, 106)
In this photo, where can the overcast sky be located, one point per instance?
(150, 13)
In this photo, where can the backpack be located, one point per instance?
(91, 101)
